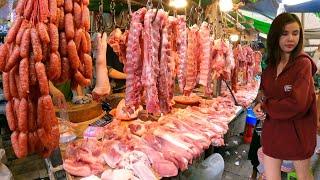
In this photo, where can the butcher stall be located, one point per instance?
(187, 85)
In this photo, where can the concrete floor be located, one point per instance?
(238, 167)
(236, 163)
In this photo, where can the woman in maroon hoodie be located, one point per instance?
(289, 101)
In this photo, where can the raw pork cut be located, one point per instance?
(192, 63)
(181, 51)
(151, 69)
(133, 66)
(102, 87)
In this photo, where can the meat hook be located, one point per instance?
(129, 7)
(233, 97)
(149, 4)
(113, 12)
(159, 6)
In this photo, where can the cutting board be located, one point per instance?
(83, 112)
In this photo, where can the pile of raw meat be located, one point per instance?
(148, 150)
(152, 149)
(48, 40)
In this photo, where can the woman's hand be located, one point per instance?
(58, 99)
(260, 114)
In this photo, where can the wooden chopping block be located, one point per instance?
(187, 100)
(83, 112)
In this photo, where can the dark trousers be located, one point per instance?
(254, 146)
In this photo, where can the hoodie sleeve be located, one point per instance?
(298, 102)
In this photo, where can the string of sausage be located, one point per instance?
(48, 40)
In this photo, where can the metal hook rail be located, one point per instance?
(113, 13)
(149, 4)
(159, 6)
(115, 24)
(129, 7)
(99, 22)
(190, 16)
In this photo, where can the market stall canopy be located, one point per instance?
(261, 12)
(303, 6)
(266, 8)
(260, 22)
(94, 4)
(269, 8)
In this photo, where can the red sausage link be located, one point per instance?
(38, 145)
(60, 3)
(46, 52)
(28, 9)
(73, 55)
(12, 81)
(16, 104)
(50, 119)
(68, 6)
(42, 78)
(86, 18)
(45, 138)
(61, 19)
(15, 144)
(20, 7)
(43, 32)
(32, 115)
(24, 77)
(54, 37)
(13, 59)
(77, 14)
(54, 69)
(12, 122)
(84, 43)
(24, 25)
(14, 30)
(63, 44)
(40, 113)
(17, 79)
(25, 44)
(36, 45)
(77, 38)
(6, 86)
(83, 82)
(88, 42)
(69, 27)
(23, 115)
(31, 143)
(32, 71)
(88, 69)
(4, 53)
(53, 10)
(23, 144)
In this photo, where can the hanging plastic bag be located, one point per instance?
(5, 173)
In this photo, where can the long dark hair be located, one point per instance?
(276, 30)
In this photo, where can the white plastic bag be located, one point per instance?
(5, 173)
(210, 169)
